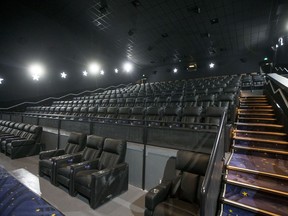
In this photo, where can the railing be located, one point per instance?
(212, 182)
(65, 96)
(276, 89)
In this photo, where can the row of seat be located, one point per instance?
(91, 165)
(148, 101)
(19, 139)
(152, 116)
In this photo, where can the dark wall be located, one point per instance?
(225, 65)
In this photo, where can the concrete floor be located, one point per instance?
(130, 203)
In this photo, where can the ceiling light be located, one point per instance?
(85, 73)
(265, 59)
(63, 75)
(211, 65)
(36, 70)
(1, 81)
(35, 77)
(277, 45)
(175, 70)
(102, 72)
(127, 67)
(214, 21)
(116, 70)
(94, 68)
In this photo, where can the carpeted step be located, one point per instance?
(272, 167)
(255, 201)
(257, 182)
(255, 110)
(257, 119)
(266, 149)
(258, 146)
(259, 126)
(255, 114)
(255, 107)
(253, 104)
(256, 139)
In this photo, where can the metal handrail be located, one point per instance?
(67, 95)
(208, 175)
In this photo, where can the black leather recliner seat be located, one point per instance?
(27, 145)
(181, 196)
(91, 152)
(76, 142)
(105, 178)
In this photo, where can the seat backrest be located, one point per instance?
(76, 143)
(113, 153)
(93, 148)
(191, 115)
(192, 167)
(213, 116)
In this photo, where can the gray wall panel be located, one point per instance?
(156, 160)
(134, 157)
(16, 118)
(30, 120)
(75, 126)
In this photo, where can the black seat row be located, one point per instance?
(19, 139)
(152, 116)
(90, 165)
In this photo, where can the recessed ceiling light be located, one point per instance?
(1, 81)
(94, 68)
(214, 21)
(175, 70)
(116, 70)
(164, 35)
(63, 75)
(102, 72)
(36, 71)
(211, 65)
(127, 67)
(85, 73)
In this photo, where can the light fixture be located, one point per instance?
(36, 70)
(116, 70)
(63, 75)
(35, 77)
(1, 81)
(265, 59)
(102, 72)
(85, 73)
(277, 45)
(211, 65)
(127, 67)
(175, 70)
(94, 68)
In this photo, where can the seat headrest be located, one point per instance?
(76, 138)
(193, 111)
(215, 111)
(95, 142)
(21, 126)
(27, 127)
(226, 97)
(35, 129)
(192, 162)
(114, 146)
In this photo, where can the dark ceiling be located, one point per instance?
(67, 34)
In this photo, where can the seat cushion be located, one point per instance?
(64, 171)
(175, 207)
(83, 178)
(46, 163)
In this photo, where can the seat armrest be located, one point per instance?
(108, 183)
(17, 143)
(86, 165)
(51, 153)
(10, 139)
(111, 171)
(67, 160)
(157, 195)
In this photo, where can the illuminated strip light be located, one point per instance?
(280, 92)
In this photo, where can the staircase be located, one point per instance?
(256, 180)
